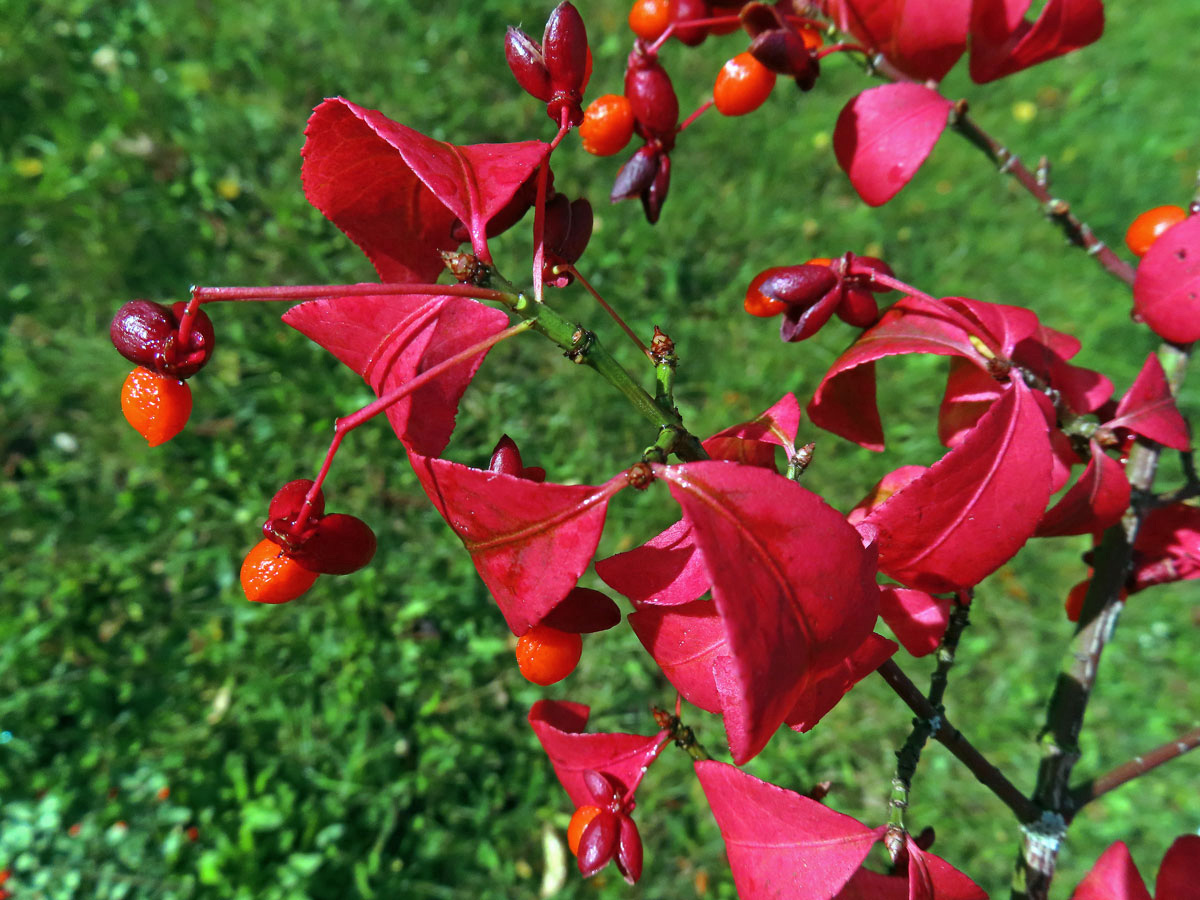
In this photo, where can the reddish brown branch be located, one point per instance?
(1088, 791)
(941, 730)
(1058, 211)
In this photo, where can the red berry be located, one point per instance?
(1146, 228)
(74, 830)
(650, 18)
(756, 303)
(269, 575)
(743, 85)
(607, 125)
(163, 793)
(157, 406)
(193, 833)
(686, 11)
(579, 821)
(546, 655)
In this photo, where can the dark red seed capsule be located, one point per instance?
(289, 499)
(565, 48)
(636, 175)
(652, 98)
(525, 59)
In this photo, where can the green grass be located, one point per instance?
(370, 740)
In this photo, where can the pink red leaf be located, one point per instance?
(754, 442)
(1149, 409)
(1097, 500)
(1113, 877)
(1167, 547)
(396, 192)
(827, 686)
(782, 845)
(932, 878)
(1166, 289)
(1003, 41)
(923, 40)
(1179, 874)
(918, 619)
(887, 485)
(976, 506)
(665, 571)
(389, 340)
(529, 541)
(776, 553)
(623, 758)
(685, 641)
(884, 135)
(970, 391)
(844, 402)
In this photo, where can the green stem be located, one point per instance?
(583, 347)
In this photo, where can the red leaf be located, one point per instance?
(782, 845)
(1113, 877)
(754, 442)
(667, 570)
(1179, 875)
(918, 619)
(844, 402)
(389, 340)
(624, 758)
(867, 885)
(976, 506)
(1167, 547)
(932, 878)
(1149, 409)
(827, 686)
(884, 134)
(529, 541)
(1003, 41)
(923, 40)
(1166, 289)
(775, 552)
(685, 641)
(396, 192)
(1097, 500)
(887, 485)
(970, 392)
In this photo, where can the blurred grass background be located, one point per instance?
(160, 737)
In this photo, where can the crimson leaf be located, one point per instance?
(1115, 876)
(918, 619)
(396, 192)
(884, 134)
(1003, 41)
(1149, 409)
(389, 340)
(923, 40)
(623, 758)
(529, 541)
(1166, 288)
(976, 506)
(776, 554)
(782, 845)
(1097, 500)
